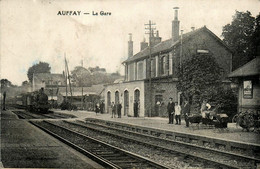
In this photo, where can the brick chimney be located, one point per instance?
(143, 45)
(155, 39)
(130, 46)
(175, 25)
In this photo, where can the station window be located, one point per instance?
(158, 99)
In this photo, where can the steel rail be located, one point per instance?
(178, 142)
(94, 157)
(105, 162)
(156, 146)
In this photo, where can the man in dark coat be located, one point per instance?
(186, 112)
(102, 107)
(135, 109)
(113, 107)
(119, 107)
(97, 108)
(170, 110)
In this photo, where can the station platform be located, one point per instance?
(233, 133)
(25, 146)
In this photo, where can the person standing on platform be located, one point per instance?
(119, 107)
(102, 107)
(170, 109)
(113, 107)
(135, 109)
(186, 112)
(97, 108)
(177, 113)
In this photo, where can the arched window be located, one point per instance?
(108, 98)
(116, 97)
(137, 103)
(126, 102)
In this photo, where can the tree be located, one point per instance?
(256, 36)
(5, 83)
(92, 76)
(81, 76)
(238, 36)
(41, 67)
(25, 83)
(97, 69)
(199, 78)
(7, 88)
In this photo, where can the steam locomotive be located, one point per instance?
(36, 101)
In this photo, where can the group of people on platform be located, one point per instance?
(174, 109)
(116, 109)
(100, 107)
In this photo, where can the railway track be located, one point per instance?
(217, 157)
(25, 115)
(29, 115)
(107, 155)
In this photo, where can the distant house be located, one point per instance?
(248, 78)
(50, 82)
(86, 94)
(166, 56)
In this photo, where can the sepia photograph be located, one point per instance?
(91, 84)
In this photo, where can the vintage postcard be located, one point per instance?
(130, 84)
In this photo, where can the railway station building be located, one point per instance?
(248, 79)
(166, 56)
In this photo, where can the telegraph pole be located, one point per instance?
(150, 32)
(81, 87)
(66, 77)
(66, 63)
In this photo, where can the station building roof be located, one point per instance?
(77, 91)
(251, 68)
(168, 44)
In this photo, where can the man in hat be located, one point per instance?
(177, 113)
(102, 107)
(186, 112)
(119, 107)
(113, 107)
(170, 110)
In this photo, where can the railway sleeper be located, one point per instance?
(206, 143)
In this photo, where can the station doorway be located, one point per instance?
(137, 103)
(126, 102)
(116, 97)
(108, 101)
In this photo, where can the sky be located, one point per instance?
(32, 31)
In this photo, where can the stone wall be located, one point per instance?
(162, 90)
(122, 88)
